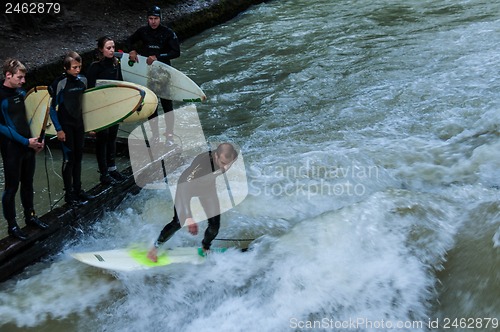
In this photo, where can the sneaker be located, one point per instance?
(83, 197)
(117, 176)
(17, 233)
(106, 179)
(33, 220)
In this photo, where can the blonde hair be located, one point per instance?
(12, 66)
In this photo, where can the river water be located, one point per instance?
(370, 136)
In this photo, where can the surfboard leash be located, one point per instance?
(235, 240)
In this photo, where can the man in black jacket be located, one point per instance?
(158, 43)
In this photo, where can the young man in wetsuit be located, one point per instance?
(157, 43)
(109, 68)
(198, 180)
(18, 149)
(66, 114)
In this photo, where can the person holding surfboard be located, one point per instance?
(66, 114)
(198, 180)
(158, 43)
(108, 67)
(18, 149)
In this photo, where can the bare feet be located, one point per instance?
(153, 255)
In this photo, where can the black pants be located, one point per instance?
(168, 107)
(72, 158)
(19, 167)
(106, 148)
(210, 233)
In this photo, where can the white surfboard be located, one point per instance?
(36, 106)
(166, 81)
(133, 259)
(148, 105)
(103, 107)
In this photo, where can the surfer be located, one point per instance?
(198, 180)
(66, 114)
(157, 43)
(108, 67)
(18, 149)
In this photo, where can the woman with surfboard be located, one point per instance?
(108, 67)
(157, 43)
(18, 149)
(66, 114)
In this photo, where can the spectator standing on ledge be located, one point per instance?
(158, 43)
(18, 149)
(66, 114)
(108, 67)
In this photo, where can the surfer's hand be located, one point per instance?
(192, 226)
(40, 147)
(35, 145)
(61, 136)
(151, 59)
(133, 56)
(153, 255)
(42, 144)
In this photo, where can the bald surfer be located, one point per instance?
(198, 180)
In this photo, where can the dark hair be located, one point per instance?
(12, 66)
(71, 56)
(101, 41)
(100, 45)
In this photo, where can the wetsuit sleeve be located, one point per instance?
(84, 80)
(196, 181)
(186, 189)
(173, 46)
(133, 39)
(8, 130)
(183, 196)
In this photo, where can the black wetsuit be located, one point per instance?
(164, 44)
(66, 114)
(107, 68)
(18, 159)
(198, 180)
